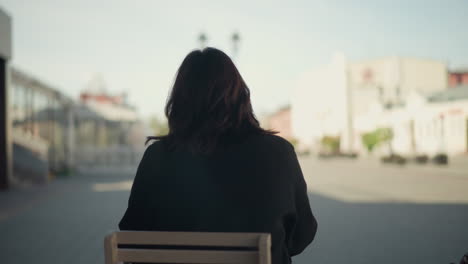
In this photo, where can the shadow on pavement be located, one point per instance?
(68, 226)
(362, 233)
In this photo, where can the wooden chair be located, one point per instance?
(242, 248)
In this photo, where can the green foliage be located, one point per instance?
(376, 137)
(370, 140)
(331, 143)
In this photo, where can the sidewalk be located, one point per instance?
(369, 181)
(18, 199)
(458, 166)
(66, 221)
(62, 222)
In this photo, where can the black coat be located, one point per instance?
(253, 186)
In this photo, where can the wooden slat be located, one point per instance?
(187, 256)
(264, 249)
(110, 249)
(188, 238)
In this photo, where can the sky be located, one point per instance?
(137, 46)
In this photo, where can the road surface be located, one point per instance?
(366, 214)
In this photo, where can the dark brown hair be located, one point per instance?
(209, 104)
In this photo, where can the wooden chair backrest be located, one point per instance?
(241, 248)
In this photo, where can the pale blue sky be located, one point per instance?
(138, 45)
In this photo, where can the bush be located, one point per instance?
(421, 159)
(394, 158)
(400, 160)
(331, 144)
(350, 155)
(325, 155)
(440, 159)
(376, 137)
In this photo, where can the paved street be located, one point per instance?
(366, 214)
(391, 214)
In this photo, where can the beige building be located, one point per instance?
(345, 98)
(430, 124)
(391, 79)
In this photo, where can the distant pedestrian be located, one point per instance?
(217, 170)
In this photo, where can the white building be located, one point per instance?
(431, 124)
(318, 105)
(347, 99)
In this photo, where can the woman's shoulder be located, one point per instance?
(263, 142)
(273, 142)
(154, 146)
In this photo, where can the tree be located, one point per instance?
(377, 137)
(331, 143)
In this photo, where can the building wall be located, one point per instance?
(428, 128)
(320, 106)
(423, 75)
(34, 109)
(442, 127)
(381, 76)
(318, 103)
(391, 79)
(388, 82)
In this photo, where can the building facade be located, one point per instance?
(346, 99)
(43, 136)
(319, 104)
(53, 134)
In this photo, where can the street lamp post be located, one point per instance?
(235, 38)
(202, 38)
